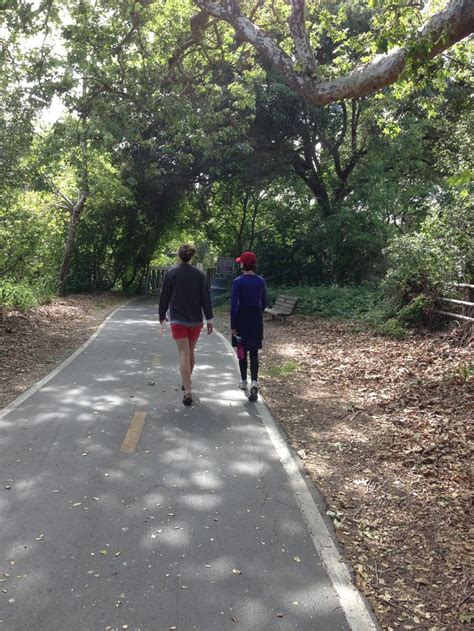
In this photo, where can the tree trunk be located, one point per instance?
(256, 204)
(126, 284)
(315, 185)
(71, 236)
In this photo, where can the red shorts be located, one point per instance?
(179, 331)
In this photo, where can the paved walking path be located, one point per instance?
(119, 506)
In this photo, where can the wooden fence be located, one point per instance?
(153, 280)
(465, 307)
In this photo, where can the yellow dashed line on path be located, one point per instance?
(130, 441)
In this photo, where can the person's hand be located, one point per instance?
(163, 321)
(234, 332)
(210, 328)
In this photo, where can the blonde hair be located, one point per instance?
(186, 251)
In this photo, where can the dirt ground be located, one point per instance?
(382, 427)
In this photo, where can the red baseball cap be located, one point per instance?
(247, 258)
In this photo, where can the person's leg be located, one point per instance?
(254, 374)
(243, 365)
(254, 364)
(192, 346)
(184, 363)
(193, 334)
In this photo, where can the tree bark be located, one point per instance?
(300, 37)
(71, 236)
(439, 33)
(77, 207)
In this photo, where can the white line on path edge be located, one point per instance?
(355, 609)
(39, 384)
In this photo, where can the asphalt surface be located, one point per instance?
(195, 527)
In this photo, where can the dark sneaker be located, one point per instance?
(253, 396)
(187, 399)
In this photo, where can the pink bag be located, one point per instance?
(240, 349)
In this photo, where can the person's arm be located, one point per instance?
(264, 297)
(164, 298)
(234, 303)
(207, 304)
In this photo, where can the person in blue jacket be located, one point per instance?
(248, 301)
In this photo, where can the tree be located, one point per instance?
(322, 145)
(75, 207)
(229, 213)
(172, 135)
(309, 78)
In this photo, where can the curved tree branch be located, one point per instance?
(439, 33)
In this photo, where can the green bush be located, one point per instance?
(17, 295)
(429, 261)
(23, 296)
(415, 312)
(392, 328)
(353, 244)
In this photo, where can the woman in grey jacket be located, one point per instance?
(186, 293)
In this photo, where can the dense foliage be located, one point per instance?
(120, 135)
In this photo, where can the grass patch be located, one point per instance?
(283, 370)
(332, 301)
(222, 309)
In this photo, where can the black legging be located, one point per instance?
(253, 366)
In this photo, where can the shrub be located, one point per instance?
(17, 295)
(24, 296)
(416, 311)
(392, 328)
(429, 261)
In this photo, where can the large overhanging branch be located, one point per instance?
(439, 33)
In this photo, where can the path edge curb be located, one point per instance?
(356, 607)
(44, 380)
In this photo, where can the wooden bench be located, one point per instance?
(283, 307)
